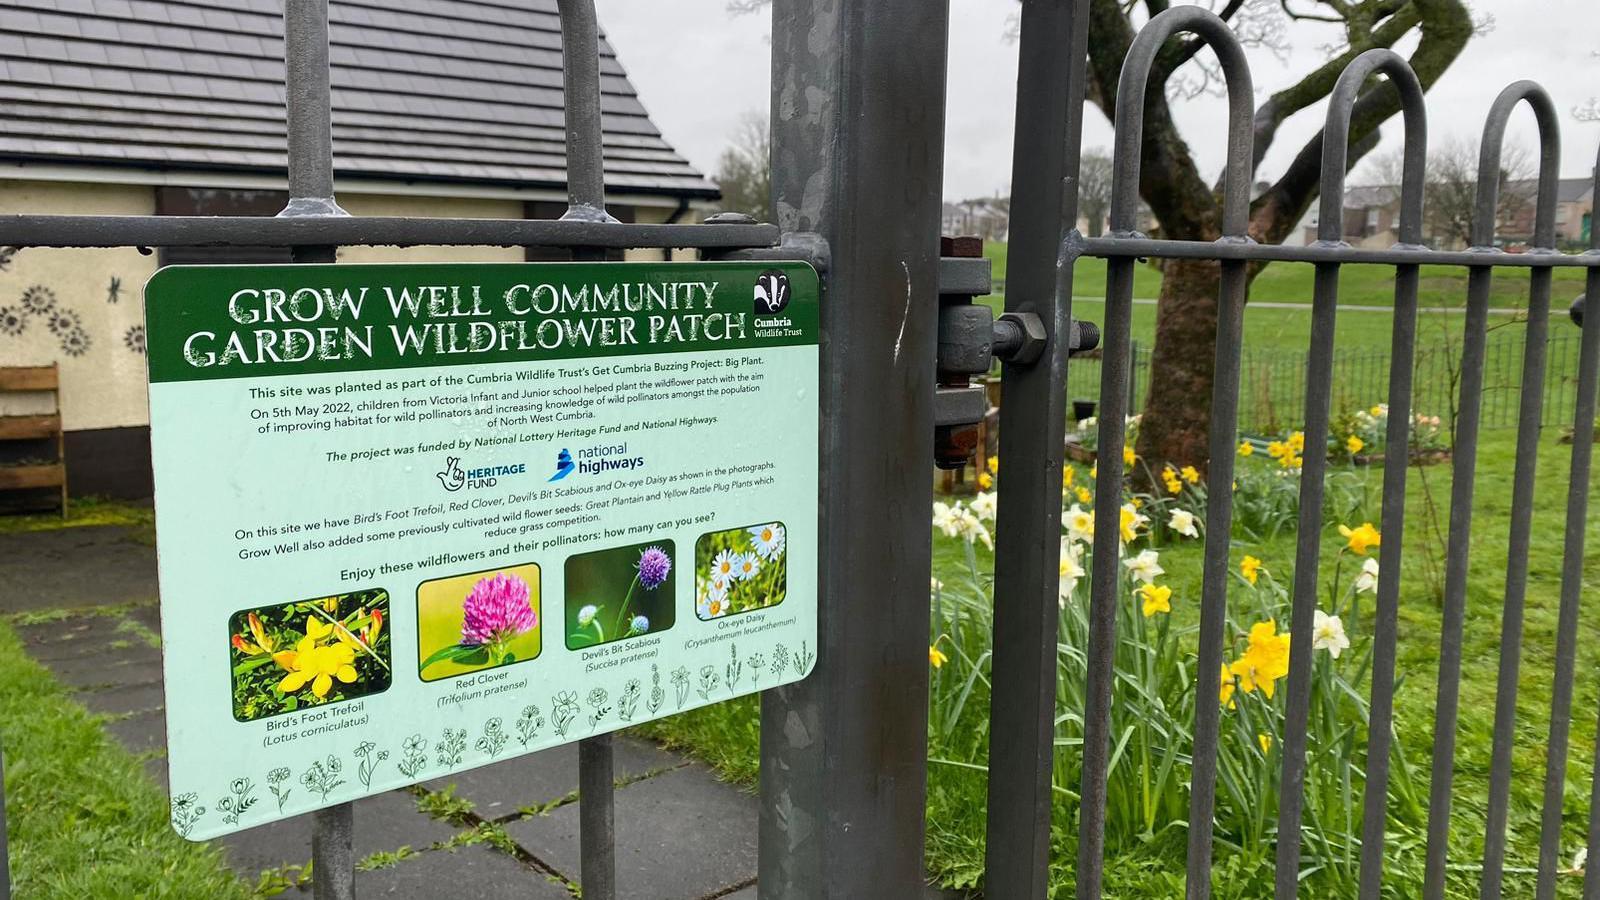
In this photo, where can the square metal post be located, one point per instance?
(858, 147)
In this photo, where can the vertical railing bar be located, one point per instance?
(1572, 560)
(309, 118)
(597, 840)
(580, 80)
(1308, 548)
(1052, 70)
(1530, 415)
(1129, 119)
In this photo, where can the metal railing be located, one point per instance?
(1024, 671)
(1272, 382)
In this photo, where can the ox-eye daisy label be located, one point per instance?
(414, 519)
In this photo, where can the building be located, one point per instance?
(1372, 216)
(176, 107)
(985, 217)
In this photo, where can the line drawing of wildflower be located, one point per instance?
(734, 667)
(322, 778)
(494, 738)
(185, 812)
(414, 755)
(708, 682)
(756, 662)
(12, 321)
(680, 681)
(802, 659)
(241, 796)
(277, 777)
(563, 709)
(368, 761)
(597, 700)
(528, 724)
(657, 695)
(628, 700)
(452, 743)
(780, 659)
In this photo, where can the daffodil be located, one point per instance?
(1265, 659)
(1327, 633)
(1069, 474)
(1367, 581)
(1361, 538)
(1083, 495)
(986, 506)
(1080, 524)
(1250, 568)
(985, 481)
(1190, 474)
(994, 465)
(1246, 448)
(1144, 567)
(1157, 598)
(1169, 477)
(1265, 740)
(1129, 457)
(936, 657)
(1071, 571)
(1228, 684)
(1183, 522)
(1129, 523)
(1354, 444)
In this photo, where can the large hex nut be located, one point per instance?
(1019, 338)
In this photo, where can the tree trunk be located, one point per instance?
(1177, 413)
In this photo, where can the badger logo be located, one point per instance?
(771, 293)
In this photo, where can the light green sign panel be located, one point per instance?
(418, 519)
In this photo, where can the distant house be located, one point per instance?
(986, 217)
(175, 107)
(1372, 216)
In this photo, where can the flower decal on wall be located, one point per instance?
(12, 321)
(62, 321)
(38, 300)
(133, 339)
(75, 342)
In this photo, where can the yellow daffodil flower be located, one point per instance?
(1083, 494)
(1129, 522)
(985, 481)
(936, 657)
(1354, 444)
(1069, 474)
(994, 465)
(1129, 457)
(1228, 685)
(1265, 660)
(1361, 538)
(1246, 448)
(1250, 568)
(1265, 740)
(1190, 474)
(1157, 598)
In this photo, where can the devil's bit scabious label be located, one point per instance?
(415, 519)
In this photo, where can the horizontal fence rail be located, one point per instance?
(1473, 381)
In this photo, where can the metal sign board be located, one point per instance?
(414, 519)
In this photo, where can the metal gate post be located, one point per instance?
(309, 115)
(858, 142)
(1044, 190)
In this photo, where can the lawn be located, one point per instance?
(727, 735)
(83, 820)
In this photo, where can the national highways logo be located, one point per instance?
(564, 465)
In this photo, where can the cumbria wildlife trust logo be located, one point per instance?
(771, 293)
(564, 465)
(452, 477)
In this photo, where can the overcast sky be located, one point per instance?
(698, 69)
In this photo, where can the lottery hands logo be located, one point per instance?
(564, 465)
(452, 477)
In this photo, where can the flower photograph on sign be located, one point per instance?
(307, 653)
(619, 593)
(739, 570)
(476, 621)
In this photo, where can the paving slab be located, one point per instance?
(538, 778)
(682, 835)
(87, 565)
(137, 664)
(385, 821)
(124, 698)
(141, 732)
(480, 872)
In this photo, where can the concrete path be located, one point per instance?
(509, 829)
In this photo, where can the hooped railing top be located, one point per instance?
(1131, 90)
(1336, 144)
(1486, 208)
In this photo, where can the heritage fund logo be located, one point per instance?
(454, 478)
(771, 293)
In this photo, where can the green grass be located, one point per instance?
(87, 511)
(83, 821)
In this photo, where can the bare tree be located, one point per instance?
(1450, 192)
(1094, 189)
(744, 173)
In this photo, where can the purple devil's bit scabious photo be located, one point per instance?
(654, 564)
(496, 610)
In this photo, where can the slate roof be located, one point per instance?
(450, 90)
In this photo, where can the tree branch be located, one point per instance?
(1173, 56)
(1446, 26)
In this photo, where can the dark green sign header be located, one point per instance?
(206, 322)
